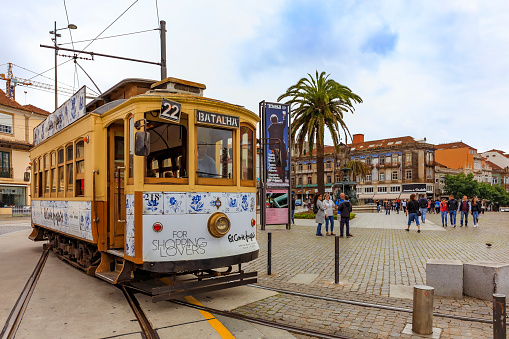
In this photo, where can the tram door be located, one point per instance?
(116, 182)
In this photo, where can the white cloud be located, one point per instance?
(445, 78)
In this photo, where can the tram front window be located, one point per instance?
(168, 147)
(215, 153)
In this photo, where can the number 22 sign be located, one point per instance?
(170, 110)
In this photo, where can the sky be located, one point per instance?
(433, 69)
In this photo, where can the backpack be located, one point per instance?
(423, 203)
(315, 208)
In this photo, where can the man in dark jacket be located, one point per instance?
(464, 207)
(452, 207)
(345, 208)
(423, 207)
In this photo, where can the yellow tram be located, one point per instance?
(151, 178)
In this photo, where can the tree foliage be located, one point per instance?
(461, 184)
(319, 103)
(359, 168)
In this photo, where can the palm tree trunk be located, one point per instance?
(320, 165)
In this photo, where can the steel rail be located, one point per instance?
(268, 323)
(14, 319)
(365, 304)
(148, 331)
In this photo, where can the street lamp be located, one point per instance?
(55, 36)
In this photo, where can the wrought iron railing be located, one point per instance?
(6, 172)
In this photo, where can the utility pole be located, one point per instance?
(163, 49)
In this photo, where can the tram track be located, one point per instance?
(371, 305)
(147, 330)
(16, 314)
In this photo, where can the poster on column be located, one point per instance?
(277, 206)
(276, 151)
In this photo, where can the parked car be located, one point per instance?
(298, 202)
(504, 209)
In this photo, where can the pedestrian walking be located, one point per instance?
(378, 205)
(413, 208)
(345, 208)
(293, 208)
(388, 207)
(338, 202)
(404, 207)
(452, 207)
(483, 206)
(320, 212)
(329, 214)
(423, 207)
(476, 208)
(464, 207)
(437, 206)
(430, 209)
(443, 212)
(397, 206)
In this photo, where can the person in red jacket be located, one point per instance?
(443, 212)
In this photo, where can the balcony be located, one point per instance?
(6, 172)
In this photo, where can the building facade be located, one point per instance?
(16, 138)
(400, 166)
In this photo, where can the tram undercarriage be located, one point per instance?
(110, 266)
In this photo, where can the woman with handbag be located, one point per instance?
(413, 212)
(320, 213)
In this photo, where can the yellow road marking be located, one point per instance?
(216, 324)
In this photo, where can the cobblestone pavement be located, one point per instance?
(372, 261)
(10, 224)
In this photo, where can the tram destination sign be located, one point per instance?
(170, 110)
(217, 119)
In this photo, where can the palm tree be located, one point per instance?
(318, 103)
(359, 169)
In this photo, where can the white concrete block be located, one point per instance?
(446, 276)
(483, 278)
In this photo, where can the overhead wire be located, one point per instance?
(75, 76)
(111, 36)
(41, 75)
(92, 39)
(157, 12)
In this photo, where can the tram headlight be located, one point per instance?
(218, 225)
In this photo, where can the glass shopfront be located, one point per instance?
(12, 196)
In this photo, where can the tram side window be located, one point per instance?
(246, 152)
(69, 167)
(36, 178)
(53, 172)
(168, 149)
(215, 153)
(80, 169)
(46, 173)
(131, 147)
(60, 161)
(40, 182)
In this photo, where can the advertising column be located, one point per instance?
(275, 126)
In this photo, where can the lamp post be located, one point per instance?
(55, 36)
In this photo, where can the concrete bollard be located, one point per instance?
(499, 316)
(422, 316)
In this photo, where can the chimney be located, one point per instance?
(357, 138)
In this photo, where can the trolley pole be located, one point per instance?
(163, 49)
(336, 260)
(269, 254)
(499, 316)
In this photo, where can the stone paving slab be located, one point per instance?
(370, 262)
